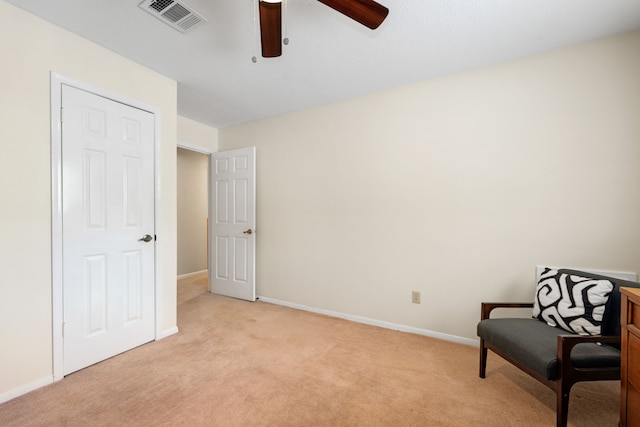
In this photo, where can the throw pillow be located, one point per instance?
(573, 303)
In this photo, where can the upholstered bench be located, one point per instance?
(574, 335)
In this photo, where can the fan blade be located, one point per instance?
(271, 29)
(367, 12)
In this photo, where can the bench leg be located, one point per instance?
(562, 403)
(483, 359)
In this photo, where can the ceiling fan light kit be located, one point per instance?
(366, 12)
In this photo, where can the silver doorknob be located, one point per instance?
(145, 238)
(249, 231)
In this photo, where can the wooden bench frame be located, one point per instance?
(568, 375)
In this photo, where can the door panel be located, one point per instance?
(95, 290)
(233, 230)
(108, 205)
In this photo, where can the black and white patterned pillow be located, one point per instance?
(573, 303)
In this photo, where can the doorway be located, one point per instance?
(192, 220)
(230, 228)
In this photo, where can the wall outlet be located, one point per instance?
(415, 297)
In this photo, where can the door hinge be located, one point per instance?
(63, 325)
(61, 114)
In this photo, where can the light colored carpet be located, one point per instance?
(236, 363)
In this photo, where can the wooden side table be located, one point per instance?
(630, 363)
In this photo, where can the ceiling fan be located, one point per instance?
(366, 12)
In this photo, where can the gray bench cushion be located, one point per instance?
(534, 344)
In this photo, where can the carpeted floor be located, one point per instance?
(236, 363)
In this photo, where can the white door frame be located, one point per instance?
(196, 148)
(56, 210)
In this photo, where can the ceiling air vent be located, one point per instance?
(174, 13)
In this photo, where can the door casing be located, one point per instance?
(56, 211)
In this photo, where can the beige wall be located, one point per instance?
(455, 187)
(192, 211)
(198, 135)
(31, 49)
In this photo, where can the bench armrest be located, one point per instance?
(487, 307)
(567, 342)
(569, 373)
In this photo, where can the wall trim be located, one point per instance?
(26, 388)
(624, 275)
(195, 273)
(196, 148)
(373, 322)
(168, 332)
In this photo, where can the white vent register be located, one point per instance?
(175, 14)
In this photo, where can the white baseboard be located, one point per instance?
(195, 273)
(24, 389)
(168, 333)
(373, 322)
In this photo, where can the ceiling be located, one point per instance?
(329, 57)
